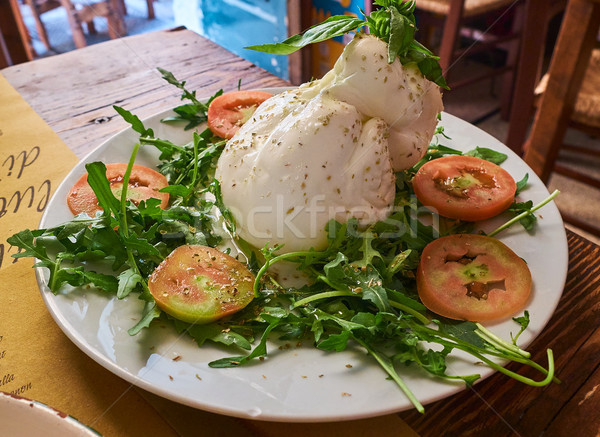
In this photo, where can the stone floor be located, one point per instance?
(469, 103)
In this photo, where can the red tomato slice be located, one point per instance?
(472, 277)
(199, 284)
(464, 187)
(144, 184)
(229, 111)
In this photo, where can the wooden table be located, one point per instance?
(77, 103)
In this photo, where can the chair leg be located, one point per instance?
(450, 35)
(75, 24)
(116, 25)
(91, 27)
(508, 79)
(122, 7)
(39, 25)
(150, 4)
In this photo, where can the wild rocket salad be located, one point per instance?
(372, 274)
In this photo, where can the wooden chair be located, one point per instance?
(78, 14)
(571, 97)
(149, 3)
(39, 7)
(455, 17)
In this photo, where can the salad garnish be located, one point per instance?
(360, 289)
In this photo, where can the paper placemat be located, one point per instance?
(39, 362)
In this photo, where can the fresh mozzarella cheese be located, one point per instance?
(328, 150)
(398, 94)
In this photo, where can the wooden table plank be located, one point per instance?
(499, 406)
(80, 108)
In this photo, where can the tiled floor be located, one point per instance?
(467, 103)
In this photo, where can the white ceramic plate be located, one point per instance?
(299, 384)
(21, 417)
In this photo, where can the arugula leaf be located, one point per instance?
(194, 113)
(212, 332)
(215, 189)
(25, 240)
(151, 312)
(462, 330)
(528, 221)
(259, 350)
(522, 184)
(134, 121)
(337, 342)
(59, 274)
(524, 322)
(99, 183)
(128, 280)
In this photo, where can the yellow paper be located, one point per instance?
(37, 360)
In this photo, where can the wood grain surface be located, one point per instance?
(78, 104)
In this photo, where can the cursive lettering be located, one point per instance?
(21, 389)
(12, 163)
(23, 159)
(46, 196)
(7, 251)
(28, 194)
(9, 377)
(28, 159)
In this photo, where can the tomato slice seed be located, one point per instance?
(472, 277)
(464, 187)
(200, 284)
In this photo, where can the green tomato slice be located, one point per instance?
(199, 284)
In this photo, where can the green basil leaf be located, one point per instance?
(487, 154)
(336, 25)
(431, 69)
(402, 33)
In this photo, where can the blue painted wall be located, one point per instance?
(235, 24)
